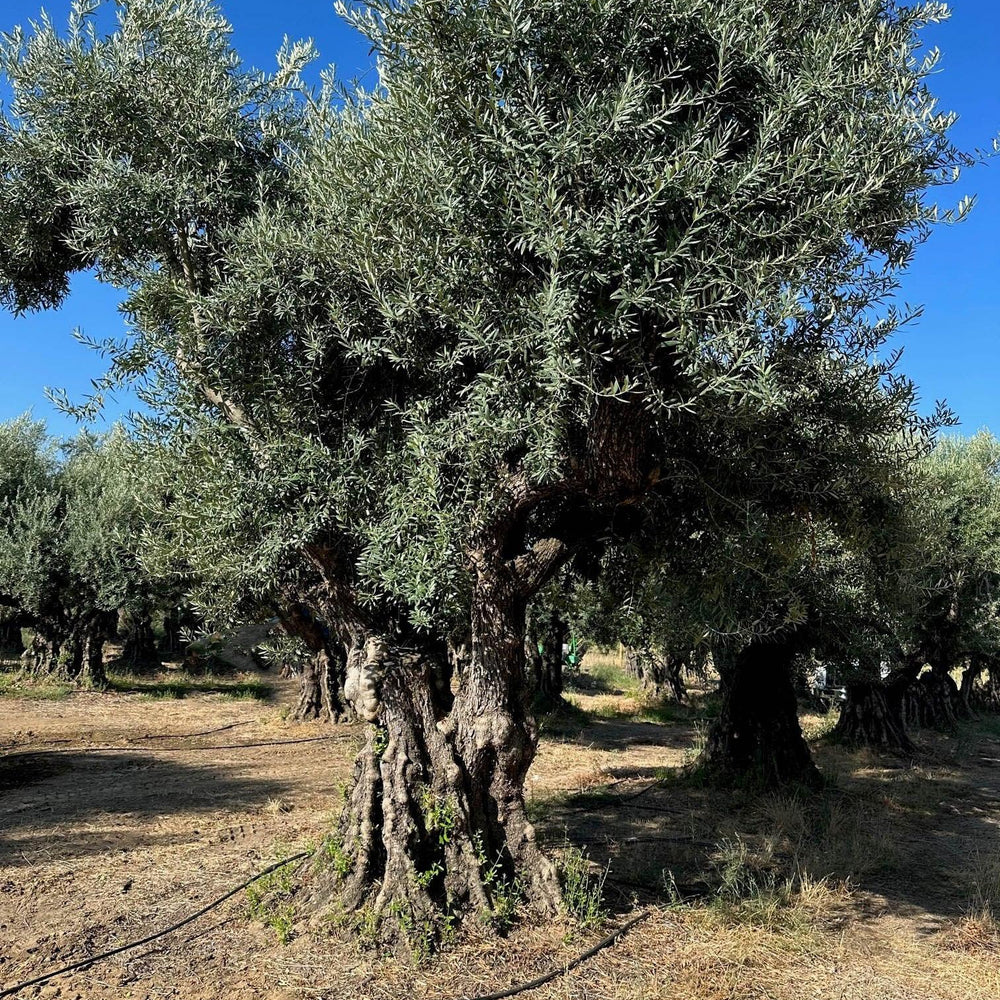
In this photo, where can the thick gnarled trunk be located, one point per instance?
(321, 689)
(932, 701)
(75, 655)
(757, 738)
(436, 825)
(496, 738)
(660, 674)
(322, 675)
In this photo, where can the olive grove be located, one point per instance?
(572, 284)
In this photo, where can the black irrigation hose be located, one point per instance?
(562, 970)
(137, 749)
(609, 841)
(184, 736)
(11, 990)
(499, 995)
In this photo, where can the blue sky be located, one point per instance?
(952, 351)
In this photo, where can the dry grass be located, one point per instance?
(882, 886)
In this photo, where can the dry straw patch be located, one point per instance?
(870, 890)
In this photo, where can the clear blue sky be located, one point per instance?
(953, 351)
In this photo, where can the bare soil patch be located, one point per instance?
(120, 813)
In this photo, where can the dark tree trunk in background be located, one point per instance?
(138, 642)
(551, 632)
(660, 674)
(322, 675)
(92, 662)
(68, 653)
(757, 737)
(321, 689)
(41, 658)
(11, 643)
(970, 676)
(872, 716)
(932, 701)
(310, 703)
(175, 622)
(985, 696)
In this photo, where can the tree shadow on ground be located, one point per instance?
(181, 687)
(614, 731)
(595, 721)
(80, 803)
(922, 835)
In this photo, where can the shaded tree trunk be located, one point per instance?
(11, 642)
(321, 689)
(550, 633)
(42, 656)
(660, 674)
(322, 675)
(757, 737)
(872, 716)
(92, 661)
(985, 696)
(931, 701)
(310, 703)
(68, 653)
(138, 642)
(970, 676)
(175, 621)
(496, 739)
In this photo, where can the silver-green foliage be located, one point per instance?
(383, 315)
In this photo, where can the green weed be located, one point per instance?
(582, 892)
(268, 902)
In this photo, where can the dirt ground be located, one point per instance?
(121, 813)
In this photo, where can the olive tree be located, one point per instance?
(26, 466)
(68, 540)
(464, 325)
(949, 619)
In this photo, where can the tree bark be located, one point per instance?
(321, 676)
(310, 703)
(41, 657)
(550, 634)
(757, 738)
(92, 662)
(872, 716)
(986, 695)
(175, 620)
(496, 738)
(970, 676)
(138, 642)
(931, 701)
(436, 825)
(321, 689)
(660, 674)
